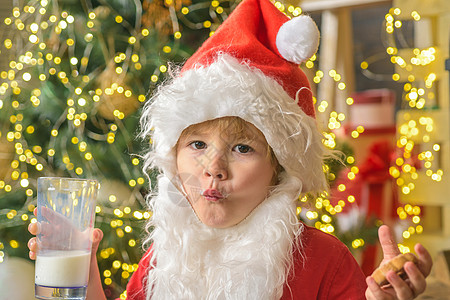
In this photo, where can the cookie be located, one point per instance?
(395, 264)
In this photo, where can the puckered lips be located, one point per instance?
(212, 195)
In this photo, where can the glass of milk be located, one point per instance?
(66, 214)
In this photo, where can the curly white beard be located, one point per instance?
(251, 260)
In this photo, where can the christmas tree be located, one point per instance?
(75, 76)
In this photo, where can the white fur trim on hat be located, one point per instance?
(229, 88)
(298, 39)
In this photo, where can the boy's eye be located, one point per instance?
(243, 148)
(198, 145)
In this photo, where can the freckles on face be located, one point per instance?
(225, 178)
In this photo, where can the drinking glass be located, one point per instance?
(65, 216)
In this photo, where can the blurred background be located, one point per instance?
(74, 75)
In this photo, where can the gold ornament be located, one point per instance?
(115, 191)
(117, 99)
(158, 14)
(6, 156)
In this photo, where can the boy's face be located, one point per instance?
(225, 177)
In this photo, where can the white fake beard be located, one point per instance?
(250, 260)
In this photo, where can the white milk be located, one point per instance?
(63, 269)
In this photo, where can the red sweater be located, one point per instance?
(330, 272)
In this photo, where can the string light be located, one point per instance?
(324, 211)
(416, 96)
(415, 127)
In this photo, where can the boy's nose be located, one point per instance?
(217, 167)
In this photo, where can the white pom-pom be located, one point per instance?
(298, 39)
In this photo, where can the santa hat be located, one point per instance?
(258, 33)
(248, 68)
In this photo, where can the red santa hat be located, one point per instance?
(258, 33)
(248, 68)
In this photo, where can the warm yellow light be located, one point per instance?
(207, 24)
(24, 183)
(14, 244)
(419, 229)
(415, 15)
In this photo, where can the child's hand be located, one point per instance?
(33, 228)
(95, 290)
(399, 288)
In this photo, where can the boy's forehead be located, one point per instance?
(228, 130)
